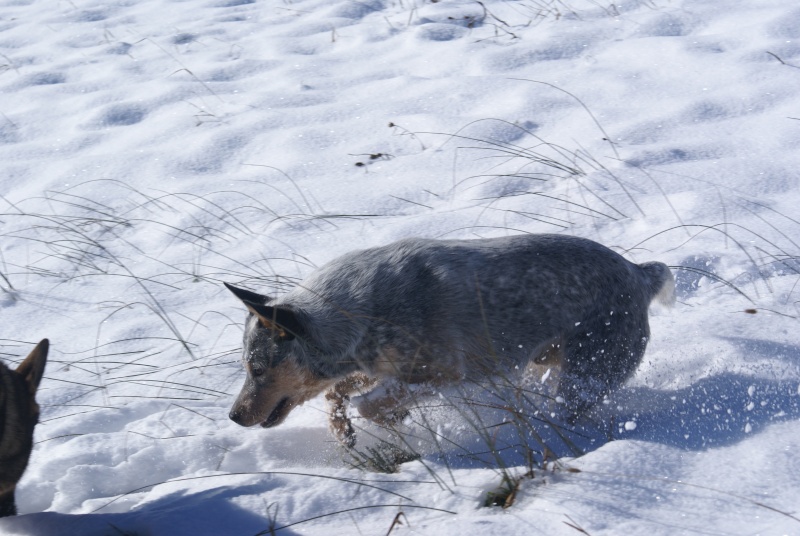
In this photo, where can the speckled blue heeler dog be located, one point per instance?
(443, 312)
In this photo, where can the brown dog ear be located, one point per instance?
(247, 295)
(32, 367)
(283, 321)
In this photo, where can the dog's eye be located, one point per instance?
(257, 371)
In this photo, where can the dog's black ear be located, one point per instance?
(283, 321)
(247, 295)
(32, 368)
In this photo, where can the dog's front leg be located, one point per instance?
(338, 398)
(388, 403)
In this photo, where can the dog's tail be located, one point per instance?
(661, 281)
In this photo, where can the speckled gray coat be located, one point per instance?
(445, 311)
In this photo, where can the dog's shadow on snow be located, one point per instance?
(715, 411)
(210, 511)
(718, 410)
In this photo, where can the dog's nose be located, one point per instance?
(236, 416)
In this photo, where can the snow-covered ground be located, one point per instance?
(152, 149)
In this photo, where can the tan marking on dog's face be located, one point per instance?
(269, 395)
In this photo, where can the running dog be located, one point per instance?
(443, 312)
(19, 413)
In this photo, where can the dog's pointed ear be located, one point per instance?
(283, 321)
(32, 367)
(278, 319)
(247, 295)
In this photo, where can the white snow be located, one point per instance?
(152, 149)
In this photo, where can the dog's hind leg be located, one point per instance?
(338, 398)
(599, 357)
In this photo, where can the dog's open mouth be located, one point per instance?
(278, 414)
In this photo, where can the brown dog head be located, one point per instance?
(20, 415)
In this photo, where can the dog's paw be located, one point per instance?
(382, 411)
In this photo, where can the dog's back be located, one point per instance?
(19, 413)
